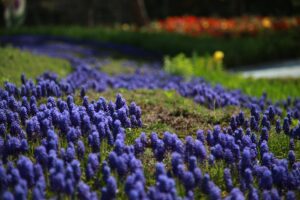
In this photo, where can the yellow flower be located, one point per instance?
(266, 22)
(218, 55)
(125, 27)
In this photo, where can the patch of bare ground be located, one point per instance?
(168, 111)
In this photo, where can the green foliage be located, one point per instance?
(14, 62)
(179, 65)
(239, 51)
(194, 66)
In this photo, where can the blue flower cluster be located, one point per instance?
(243, 155)
(61, 136)
(52, 147)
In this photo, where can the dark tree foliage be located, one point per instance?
(93, 12)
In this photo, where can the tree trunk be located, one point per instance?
(140, 12)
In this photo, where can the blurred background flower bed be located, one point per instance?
(246, 25)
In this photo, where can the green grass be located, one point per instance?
(238, 51)
(117, 66)
(172, 113)
(276, 88)
(14, 62)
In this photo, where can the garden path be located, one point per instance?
(281, 69)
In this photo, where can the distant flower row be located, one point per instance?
(193, 25)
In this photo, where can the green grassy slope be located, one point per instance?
(14, 62)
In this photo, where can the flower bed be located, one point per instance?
(195, 26)
(55, 142)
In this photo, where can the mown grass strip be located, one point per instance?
(14, 62)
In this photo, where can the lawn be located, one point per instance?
(15, 62)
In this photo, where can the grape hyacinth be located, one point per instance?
(56, 142)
